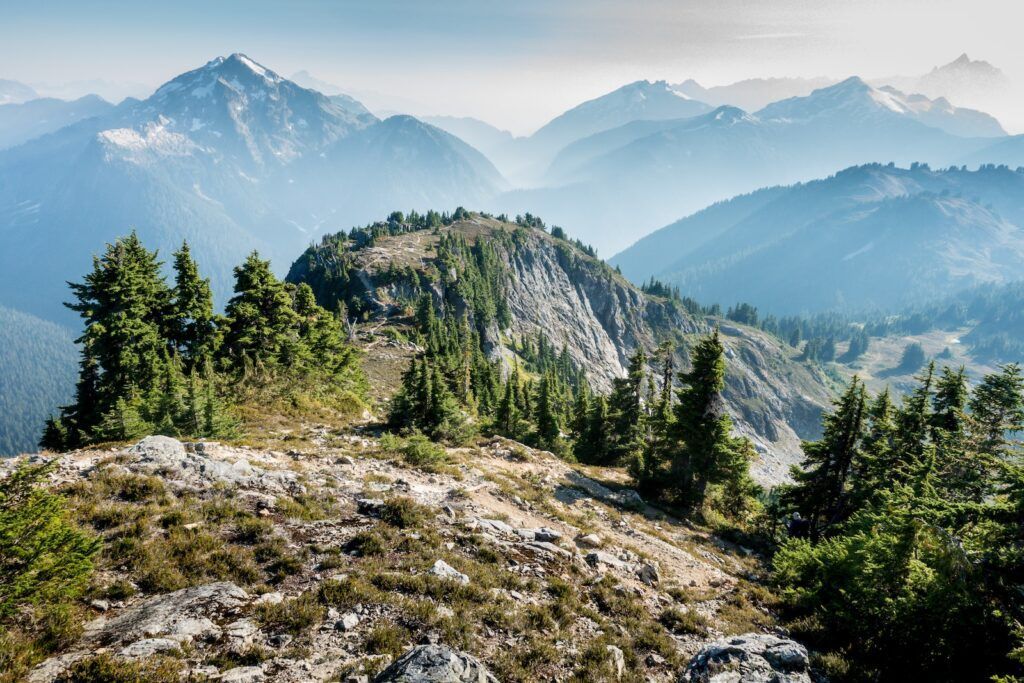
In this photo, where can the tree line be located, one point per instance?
(903, 557)
(156, 358)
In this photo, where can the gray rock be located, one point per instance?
(168, 457)
(496, 526)
(590, 541)
(548, 548)
(435, 664)
(347, 622)
(750, 658)
(182, 616)
(618, 660)
(445, 571)
(159, 448)
(242, 632)
(599, 560)
(648, 573)
(243, 674)
(147, 647)
(270, 599)
(546, 535)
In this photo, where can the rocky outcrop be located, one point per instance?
(435, 664)
(191, 467)
(160, 624)
(750, 658)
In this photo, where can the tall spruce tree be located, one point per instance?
(192, 328)
(625, 409)
(262, 323)
(123, 302)
(704, 451)
(821, 492)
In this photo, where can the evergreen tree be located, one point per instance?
(191, 324)
(262, 324)
(821, 489)
(507, 419)
(704, 451)
(593, 445)
(625, 408)
(548, 428)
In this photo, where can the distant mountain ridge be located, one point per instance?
(20, 123)
(648, 173)
(230, 156)
(871, 237)
(13, 92)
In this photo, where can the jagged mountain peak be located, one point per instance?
(852, 95)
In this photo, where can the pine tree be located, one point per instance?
(821, 489)
(625, 408)
(262, 324)
(997, 409)
(704, 451)
(123, 302)
(873, 470)
(593, 446)
(507, 418)
(548, 428)
(191, 325)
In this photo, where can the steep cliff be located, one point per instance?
(553, 287)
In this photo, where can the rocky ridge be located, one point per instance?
(502, 563)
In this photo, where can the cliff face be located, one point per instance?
(553, 288)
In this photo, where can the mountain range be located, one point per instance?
(648, 173)
(872, 237)
(230, 156)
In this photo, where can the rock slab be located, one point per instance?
(750, 658)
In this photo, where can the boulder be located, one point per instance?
(648, 573)
(546, 535)
(750, 658)
(159, 448)
(147, 647)
(435, 664)
(600, 560)
(495, 526)
(243, 674)
(347, 622)
(445, 571)
(169, 458)
(590, 541)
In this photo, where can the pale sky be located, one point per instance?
(514, 64)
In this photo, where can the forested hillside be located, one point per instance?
(870, 238)
(37, 370)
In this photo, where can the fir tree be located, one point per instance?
(262, 324)
(548, 428)
(821, 489)
(191, 323)
(704, 451)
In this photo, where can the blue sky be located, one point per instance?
(514, 63)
